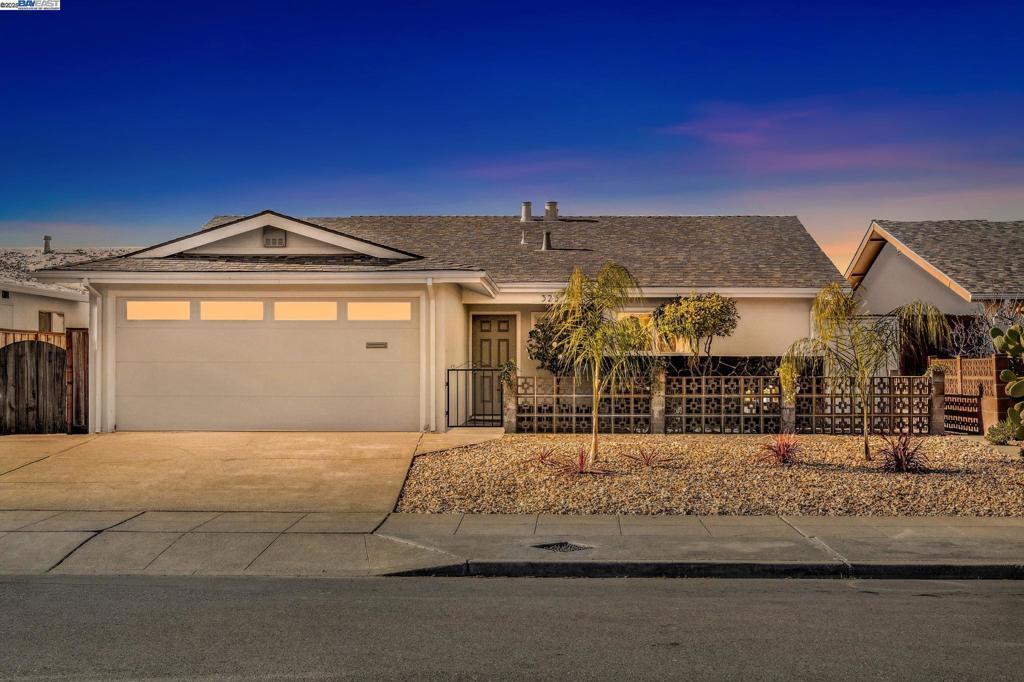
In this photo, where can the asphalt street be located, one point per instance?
(474, 628)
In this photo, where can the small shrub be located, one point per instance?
(647, 456)
(781, 450)
(999, 434)
(902, 454)
(574, 465)
(546, 457)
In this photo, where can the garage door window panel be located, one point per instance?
(379, 311)
(231, 311)
(306, 311)
(139, 311)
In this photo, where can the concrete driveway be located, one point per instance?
(172, 471)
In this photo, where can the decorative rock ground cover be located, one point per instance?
(714, 475)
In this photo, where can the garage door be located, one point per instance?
(268, 364)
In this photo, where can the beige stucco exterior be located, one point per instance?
(21, 310)
(895, 280)
(767, 327)
(270, 373)
(252, 243)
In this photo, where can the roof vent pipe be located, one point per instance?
(46, 244)
(522, 242)
(527, 212)
(546, 244)
(550, 210)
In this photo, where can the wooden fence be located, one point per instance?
(44, 381)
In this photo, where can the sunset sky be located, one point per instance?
(128, 123)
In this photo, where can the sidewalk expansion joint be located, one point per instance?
(417, 545)
(73, 550)
(823, 546)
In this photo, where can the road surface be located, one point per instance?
(475, 628)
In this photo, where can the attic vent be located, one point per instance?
(274, 238)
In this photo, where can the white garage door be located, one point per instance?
(268, 364)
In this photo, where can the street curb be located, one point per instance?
(712, 569)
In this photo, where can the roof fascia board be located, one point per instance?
(738, 292)
(269, 218)
(915, 258)
(859, 253)
(477, 278)
(44, 291)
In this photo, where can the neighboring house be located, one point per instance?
(957, 265)
(269, 322)
(962, 267)
(28, 304)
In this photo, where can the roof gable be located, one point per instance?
(977, 259)
(226, 233)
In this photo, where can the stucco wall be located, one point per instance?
(767, 326)
(252, 243)
(895, 280)
(21, 311)
(452, 343)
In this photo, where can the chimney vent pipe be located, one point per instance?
(46, 244)
(546, 244)
(527, 212)
(550, 210)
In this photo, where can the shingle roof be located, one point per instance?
(984, 257)
(677, 251)
(17, 265)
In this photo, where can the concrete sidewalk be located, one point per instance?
(356, 544)
(726, 546)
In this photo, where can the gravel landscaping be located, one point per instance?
(714, 475)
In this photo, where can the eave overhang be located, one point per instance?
(477, 281)
(871, 245)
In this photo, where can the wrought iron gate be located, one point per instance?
(474, 397)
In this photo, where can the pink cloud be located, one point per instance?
(846, 134)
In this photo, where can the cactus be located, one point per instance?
(1012, 343)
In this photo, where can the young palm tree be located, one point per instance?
(852, 346)
(594, 340)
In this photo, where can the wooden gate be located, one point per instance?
(78, 380)
(963, 413)
(44, 382)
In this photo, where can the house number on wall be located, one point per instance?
(548, 298)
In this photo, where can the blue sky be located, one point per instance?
(127, 123)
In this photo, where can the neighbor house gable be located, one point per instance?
(978, 260)
(876, 239)
(244, 236)
(896, 280)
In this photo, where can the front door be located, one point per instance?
(493, 344)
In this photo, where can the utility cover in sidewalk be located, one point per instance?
(562, 547)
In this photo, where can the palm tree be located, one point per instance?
(852, 346)
(592, 337)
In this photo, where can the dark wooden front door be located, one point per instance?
(494, 338)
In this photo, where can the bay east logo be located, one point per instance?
(29, 4)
